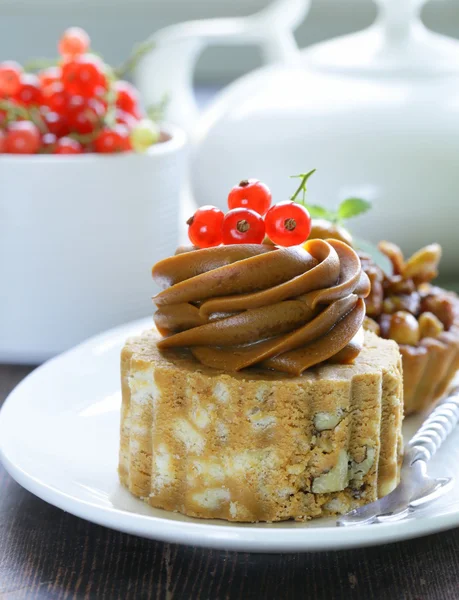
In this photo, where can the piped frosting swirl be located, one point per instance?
(247, 305)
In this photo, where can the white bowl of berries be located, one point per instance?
(89, 200)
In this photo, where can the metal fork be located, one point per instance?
(416, 488)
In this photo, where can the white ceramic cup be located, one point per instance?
(78, 238)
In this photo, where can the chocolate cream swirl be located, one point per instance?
(247, 305)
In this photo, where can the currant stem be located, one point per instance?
(302, 186)
(132, 61)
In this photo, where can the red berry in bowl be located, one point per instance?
(10, 78)
(86, 118)
(127, 97)
(22, 137)
(252, 194)
(49, 76)
(83, 75)
(67, 145)
(243, 226)
(288, 224)
(2, 142)
(205, 227)
(56, 98)
(111, 140)
(30, 92)
(73, 42)
(56, 123)
(48, 142)
(125, 118)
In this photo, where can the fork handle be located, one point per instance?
(436, 428)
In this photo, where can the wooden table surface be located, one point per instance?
(46, 553)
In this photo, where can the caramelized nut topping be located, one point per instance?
(394, 254)
(405, 306)
(441, 306)
(430, 325)
(410, 303)
(423, 265)
(404, 328)
(398, 285)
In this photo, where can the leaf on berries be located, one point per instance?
(352, 207)
(378, 257)
(319, 212)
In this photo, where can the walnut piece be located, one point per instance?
(336, 479)
(357, 471)
(324, 421)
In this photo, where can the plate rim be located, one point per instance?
(245, 538)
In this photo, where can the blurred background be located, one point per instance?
(31, 26)
(379, 121)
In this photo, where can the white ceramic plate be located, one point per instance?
(59, 439)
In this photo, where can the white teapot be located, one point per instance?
(377, 113)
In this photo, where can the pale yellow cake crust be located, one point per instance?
(259, 445)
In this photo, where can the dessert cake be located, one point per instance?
(259, 397)
(257, 445)
(423, 319)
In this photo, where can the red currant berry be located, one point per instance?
(2, 142)
(288, 224)
(137, 113)
(48, 142)
(125, 118)
(30, 92)
(86, 118)
(22, 137)
(205, 227)
(56, 123)
(73, 42)
(83, 75)
(252, 194)
(243, 226)
(67, 145)
(111, 140)
(56, 98)
(10, 78)
(127, 97)
(49, 76)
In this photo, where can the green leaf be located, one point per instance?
(319, 212)
(378, 257)
(351, 207)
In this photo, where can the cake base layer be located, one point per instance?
(259, 445)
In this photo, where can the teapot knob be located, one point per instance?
(397, 17)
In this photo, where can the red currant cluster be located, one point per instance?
(250, 219)
(74, 107)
